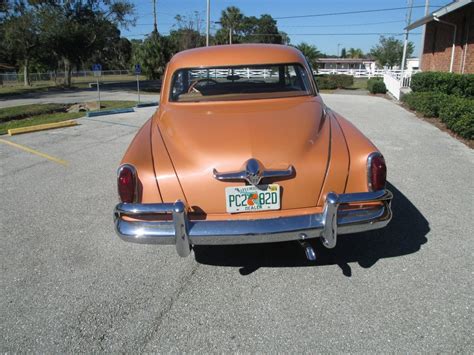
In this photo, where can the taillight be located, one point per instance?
(127, 183)
(377, 172)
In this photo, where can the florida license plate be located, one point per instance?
(252, 198)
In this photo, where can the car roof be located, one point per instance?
(236, 54)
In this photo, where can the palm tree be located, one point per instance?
(310, 51)
(355, 53)
(231, 19)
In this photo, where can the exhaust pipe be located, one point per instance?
(308, 249)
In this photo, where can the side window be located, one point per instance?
(312, 79)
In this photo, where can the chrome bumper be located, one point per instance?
(184, 232)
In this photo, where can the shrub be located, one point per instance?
(456, 112)
(325, 83)
(447, 83)
(334, 81)
(372, 81)
(378, 87)
(343, 80)
(426, 103)
(458, 115)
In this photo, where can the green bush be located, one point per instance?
(334, 81)
(325, 83)
(458, 115)
(426, 103)
(372, 81)
(456, 112)
(378, 87)
(447, 83)
(343, 80)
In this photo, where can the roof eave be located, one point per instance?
(439, 13)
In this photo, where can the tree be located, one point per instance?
(389, 51)
(75, 30)
(285, 39)
(355, 53)
(264, 30)
(153, 55)
(231, 20)
(343, 53)
(187, 33)
(237, 28)
(310, 51)
(21, 38)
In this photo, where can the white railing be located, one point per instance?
(10, 78)
(393, 85)
(395, 82)
(364, 73)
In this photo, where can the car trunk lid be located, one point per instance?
(201, 137)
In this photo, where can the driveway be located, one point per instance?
(68, 284)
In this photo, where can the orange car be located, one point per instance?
(243, 150)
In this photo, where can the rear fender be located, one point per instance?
(359, 147)
(139, 154)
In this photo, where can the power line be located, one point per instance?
(347, 12)
(335, 34)
(307, 34)
(344, 25)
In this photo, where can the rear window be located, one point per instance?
(240, 83)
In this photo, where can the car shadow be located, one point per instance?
(404, 235)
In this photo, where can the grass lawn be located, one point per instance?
(31, 115)
(360, 84)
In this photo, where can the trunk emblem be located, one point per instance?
(253, 172)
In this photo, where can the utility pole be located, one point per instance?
(408, 21)
(155, 27)
(208, 22)
(230, 34)
(422, 47)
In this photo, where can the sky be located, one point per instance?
(327, 32)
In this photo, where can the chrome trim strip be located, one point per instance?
(253, 172)
(184, 232)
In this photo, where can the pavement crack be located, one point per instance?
(168, 306)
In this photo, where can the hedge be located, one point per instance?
(461, 85)
(334, 81)
(376, 86)
(426, 103)
(456, 112)
(372, 81)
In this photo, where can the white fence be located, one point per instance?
(12, 78)
(363, 73)
(395, 82)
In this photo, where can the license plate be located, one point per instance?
(252, 198)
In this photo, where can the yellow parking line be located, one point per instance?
(35, 152)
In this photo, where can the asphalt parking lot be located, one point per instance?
(68, 284)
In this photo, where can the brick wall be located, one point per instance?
(439, 39)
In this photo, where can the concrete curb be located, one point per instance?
(41, 127)
(147, 104)
(109, 112)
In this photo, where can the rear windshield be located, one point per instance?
(240, 83)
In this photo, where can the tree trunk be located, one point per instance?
(67, 73)
(26, 72)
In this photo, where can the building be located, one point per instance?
(448, 44)
(413, 64)
(346, 63)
